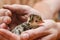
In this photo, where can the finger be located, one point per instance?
(8, 35)
(9, 7)
(18, 9)
(22, 18)
(38, 32)
(52, 36)
(4, 26)
(49, 37)
(49, 23)
(2, 38)
(5, 19)
(16, 6)
(5, 12)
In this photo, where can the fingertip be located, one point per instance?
(24, 36)
(22, 19)
(10, 7)
(6, 6)
(4, 26)
(5, 12)
(7, 20)
(8, 13)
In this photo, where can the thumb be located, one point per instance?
(9, 7)
(4, 26)
(7, 34)
(18, 9)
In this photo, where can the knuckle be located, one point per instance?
(24, 36)
(26, 7)
(53, 31)
(50, 23)
(5, 12)
(8, 13)
(2, 12)
(4, 26)
(7, 19)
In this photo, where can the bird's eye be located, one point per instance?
(36, 20)
(29, 20)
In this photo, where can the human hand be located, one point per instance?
(17, 13)
(33, 33)
(48, 31)
(20, 13)
(5, 18)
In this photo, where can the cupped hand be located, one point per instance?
(5, 18)
(19, 13)
(42, 33)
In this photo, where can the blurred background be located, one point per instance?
(27, 2)
(24, 2)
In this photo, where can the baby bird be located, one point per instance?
(32, 23)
